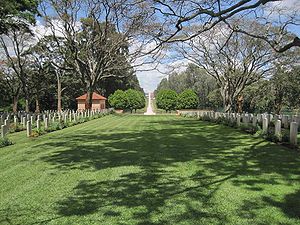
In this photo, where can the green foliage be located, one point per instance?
(215, 99)
(275, 94)
(187, 99)
(166, 99)
(129, 99)
(135, 99)
(15, 13)
(118, 175)
(193, 78)
(118, 100)
(5, 142)
(18, 128)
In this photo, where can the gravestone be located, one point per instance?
(238, 120)
(3, 131)
(38, 124)
(293, 133)
(15, 121)
(29, 129)
(254, 121)
(265, 125)
(46, 123)
(278, 129)
(285, 121)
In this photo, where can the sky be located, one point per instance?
(150, 79)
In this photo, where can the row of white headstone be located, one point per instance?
(280, 121)
(29, 121)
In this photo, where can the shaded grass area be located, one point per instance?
(132, 169)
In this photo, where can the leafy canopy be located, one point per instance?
(166, 99)
(17, 13)
(187, 99)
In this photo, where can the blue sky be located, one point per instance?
(150, 79)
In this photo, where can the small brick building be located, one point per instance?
(98, 102)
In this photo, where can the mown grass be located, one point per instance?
(132, 169)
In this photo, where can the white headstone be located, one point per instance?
(29, 129)
(265, 125)
(46, 123)
(38, 124)
(238, 120)
(278, 129)
(293, 133)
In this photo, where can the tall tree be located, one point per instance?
(98, 44)
(234, 63)
(15, 45)
(15, 14)
(179, 21)
(10, 85)
(51, 51)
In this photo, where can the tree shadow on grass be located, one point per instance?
(161, 192)
(290, 204)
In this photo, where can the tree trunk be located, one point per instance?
(227, 102)
(59, 108)
(15, 104)
(240, 101)
(26, 104)
(89, 97)
(37, 105)
(278, 108)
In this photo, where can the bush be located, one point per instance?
(118, 100)
(37, 132)
(5, 142)
(166, 99)
(187, 99)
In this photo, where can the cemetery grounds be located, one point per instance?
(134, 169)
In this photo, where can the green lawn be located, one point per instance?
(132, 169)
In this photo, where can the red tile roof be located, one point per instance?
(95, 97)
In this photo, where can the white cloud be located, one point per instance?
(149, 80)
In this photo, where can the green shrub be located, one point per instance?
(187, 99)
(38, 132)
(5, 142)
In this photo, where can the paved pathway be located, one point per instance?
(149, 108)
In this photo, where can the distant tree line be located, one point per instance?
(277, 93)
(195, 79)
